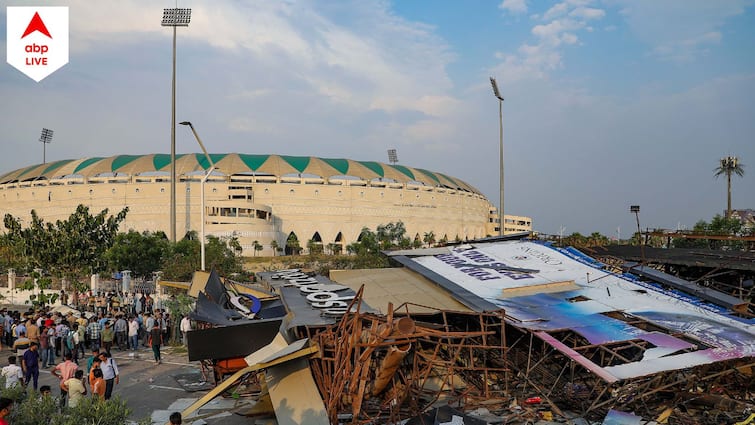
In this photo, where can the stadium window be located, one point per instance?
(317, 192)
(162, 190)
(137, 190)
(267, 191)
(291, 191)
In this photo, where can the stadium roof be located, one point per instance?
(233, 163)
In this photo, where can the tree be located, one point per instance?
(274, 246)
(727, 166)
(292, 244)
(72, 248)
(257, 247)
(429, 238)
(183, 257)
(142, 253)
(334, 248)
(314, 247)
(389, 235)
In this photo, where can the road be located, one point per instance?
(152, 390)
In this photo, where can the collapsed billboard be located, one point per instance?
(550, 291)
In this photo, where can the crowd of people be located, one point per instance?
(84, 339)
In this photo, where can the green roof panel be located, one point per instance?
(341, 165)
(216, 157)
(405, 170)
(429, 174)
(254, 162)
(374, 166)
(298, 162)
(123, 160)
(55, 165)
(86, 163)
(161, 160)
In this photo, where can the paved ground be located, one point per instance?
(152, 390)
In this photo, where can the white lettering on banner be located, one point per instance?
(487, 268)
(320, 296)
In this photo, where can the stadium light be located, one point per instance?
(497, 94)
(636, 210)
(45, 138)
(392, 156)
(174, 17)
(204, 180)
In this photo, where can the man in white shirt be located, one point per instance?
(109, 373)
(12, 373)
(133, 333)
(185, 327)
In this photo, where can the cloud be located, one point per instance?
(587, 13)
(563, 23)
(679, 30)
(514, 6)
(689, 49)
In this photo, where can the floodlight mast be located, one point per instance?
(45, 138)
(636, 210)
(501, 215)
(392, 156)
(174, 17)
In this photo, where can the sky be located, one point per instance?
(607, 103)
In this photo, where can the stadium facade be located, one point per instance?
(258, 197)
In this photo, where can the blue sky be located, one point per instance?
(608, 103)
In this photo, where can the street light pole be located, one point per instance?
(204, 180)
(497, 94)
(174, 17)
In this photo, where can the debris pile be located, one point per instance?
(565, 347)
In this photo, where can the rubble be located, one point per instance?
(538, 334)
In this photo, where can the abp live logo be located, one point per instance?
(37, 40)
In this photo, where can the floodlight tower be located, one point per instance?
(392, 156)
(174, 17)
(45, 138)
(636, 210)
(497, 94)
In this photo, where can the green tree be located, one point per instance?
(389, 235)
(334, 248)
(429, 238)
(178, 305)
(257, 247)
(718, 226)
(292, 244)
(69, 248)
(183, 258)
(142, 253)
(727, 166)
(314, 247)
(274, 246)
(235, 245)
